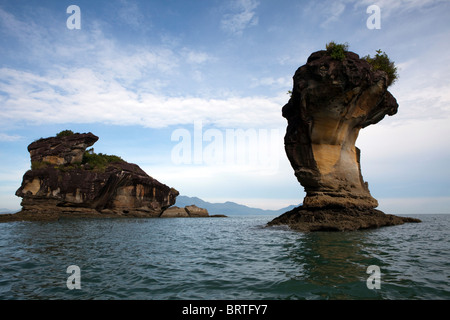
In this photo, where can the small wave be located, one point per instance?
(238, 258)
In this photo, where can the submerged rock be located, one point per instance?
(191, 211)
(63, 183)
(332, 100)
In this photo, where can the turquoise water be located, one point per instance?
(233, 258)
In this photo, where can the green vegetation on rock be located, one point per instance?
(382, 62)
(65, 133)
(99, 161)
(337, 50)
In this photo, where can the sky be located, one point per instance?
(192, 91)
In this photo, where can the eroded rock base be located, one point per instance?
(337, 219)
(32, 216)
(54, 213)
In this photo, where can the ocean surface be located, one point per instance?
(234, 258)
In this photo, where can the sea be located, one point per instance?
(234, 258)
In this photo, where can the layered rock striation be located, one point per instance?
(62, 150)
(332, 100)
(63, 183)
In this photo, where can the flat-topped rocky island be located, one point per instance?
(68, 180)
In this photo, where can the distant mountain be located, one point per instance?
(228, 208)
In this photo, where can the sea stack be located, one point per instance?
(332, 100)
(67, 180)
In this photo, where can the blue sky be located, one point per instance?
(153, 77)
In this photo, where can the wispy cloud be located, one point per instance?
(9, 138)
(129, 13)
(333, 12)
(389, 7)
(128, 85)
(243, 16)
(281, 82)
(196, 57)
(84, 96)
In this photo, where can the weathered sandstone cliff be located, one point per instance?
(332, 100)
(63, 183)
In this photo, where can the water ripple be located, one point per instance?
(232, 258)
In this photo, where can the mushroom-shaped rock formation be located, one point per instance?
(332, 100)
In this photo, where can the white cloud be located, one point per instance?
(9, 138)
(85, 96)
(422, 90)
(244, 16)
(196, 57)
(280, 82)
(406, 159)
(333, 12)
(389, 7)
(412, 139)
(137, 64)
(130, 14)
(130, 85)
(27, 32)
